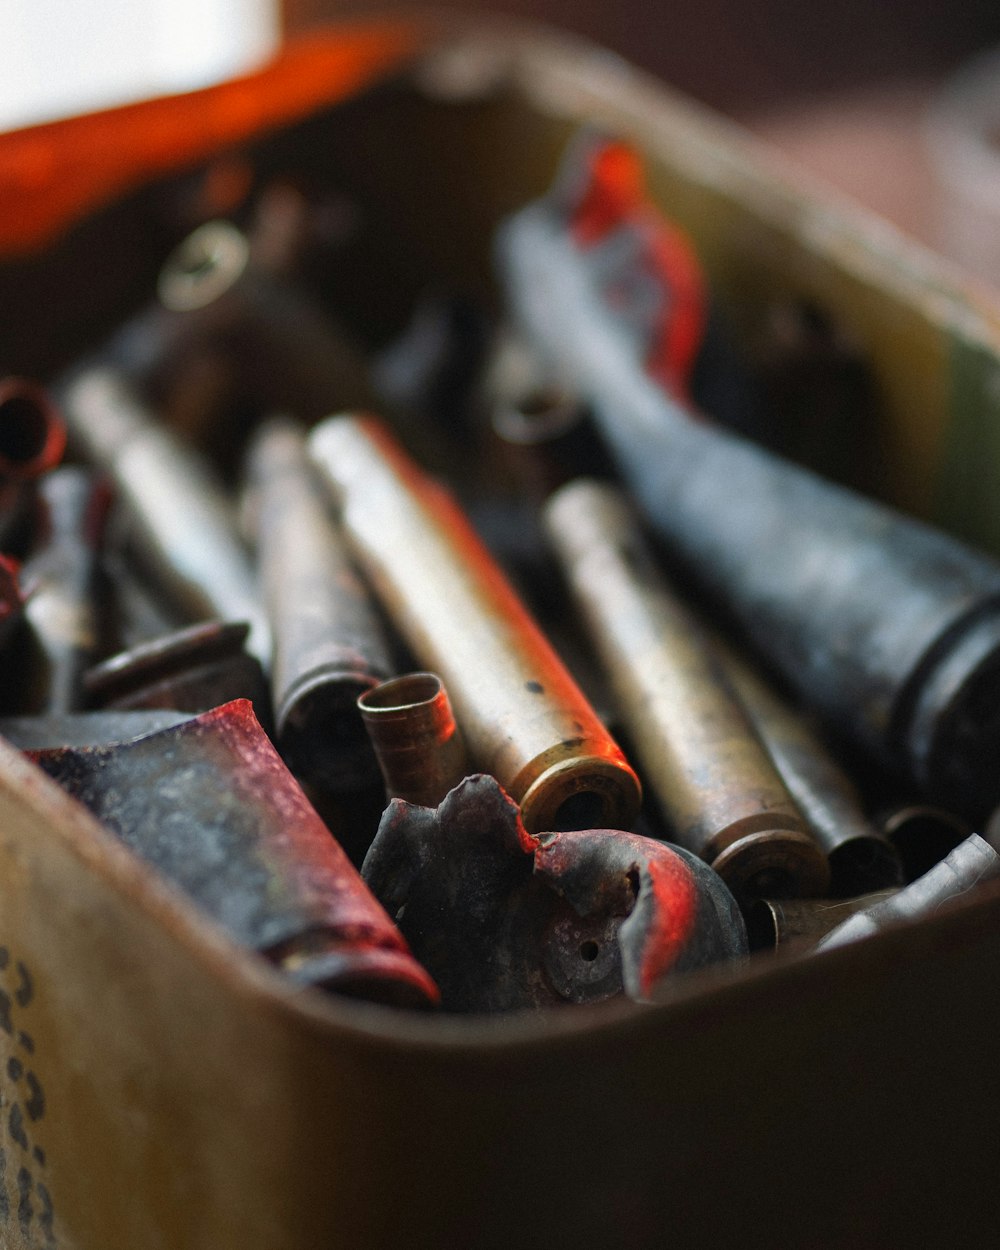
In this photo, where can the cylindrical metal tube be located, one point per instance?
(65, 611)
(329, 646)
(776, 922)
(417, 743)
(969, 864)
(181, 518)
(716, 783)
(32, 433)
(921, 834)
(889, 629)
(523, 717)
(861, 858)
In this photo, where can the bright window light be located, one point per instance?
(73, 56)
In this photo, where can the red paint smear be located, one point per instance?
(675, 908)
(614, 198)
(11, 598)
(54, 173)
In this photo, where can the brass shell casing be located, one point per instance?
(523, 717)
(417, 742)
(701, 756)
(179, 514)
(329, 645)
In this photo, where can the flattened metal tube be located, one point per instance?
(861, 859)
(329, 645)
(715, 781)
(180, 514)
(970, 863)
(524, 719)
(212, 806)
(417, 742)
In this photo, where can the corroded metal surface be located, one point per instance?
(211, 805)
(890, 629)
(524, 719)
(83, 729)
(181, 519)
(329, 646)
(504, 919)
(718, 786)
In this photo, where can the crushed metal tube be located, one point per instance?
(211, 805)
(504, 919)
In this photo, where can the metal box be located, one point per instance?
(162, 1089)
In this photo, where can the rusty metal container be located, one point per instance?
(162, 1088)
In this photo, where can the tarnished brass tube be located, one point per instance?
(329, 646)
(861, 858)
(522, 715)
(417, 743)
(715, 781)
(179, 514)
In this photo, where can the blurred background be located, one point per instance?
(845, 90)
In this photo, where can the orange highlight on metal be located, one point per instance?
(524, 719)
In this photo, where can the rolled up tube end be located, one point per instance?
(418, 744)
(32, 433)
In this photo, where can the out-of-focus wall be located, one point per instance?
(744, 56)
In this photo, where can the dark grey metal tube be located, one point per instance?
(969, 864)
(890, 629)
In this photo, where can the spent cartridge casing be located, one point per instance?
(888, 628)
(417, 742)
(971, 863)
(524, 719)
(861, 858)
(777, 922)
(189, 670)
(181, 519)
(717, 785)
(329, 645)
(921, 834)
